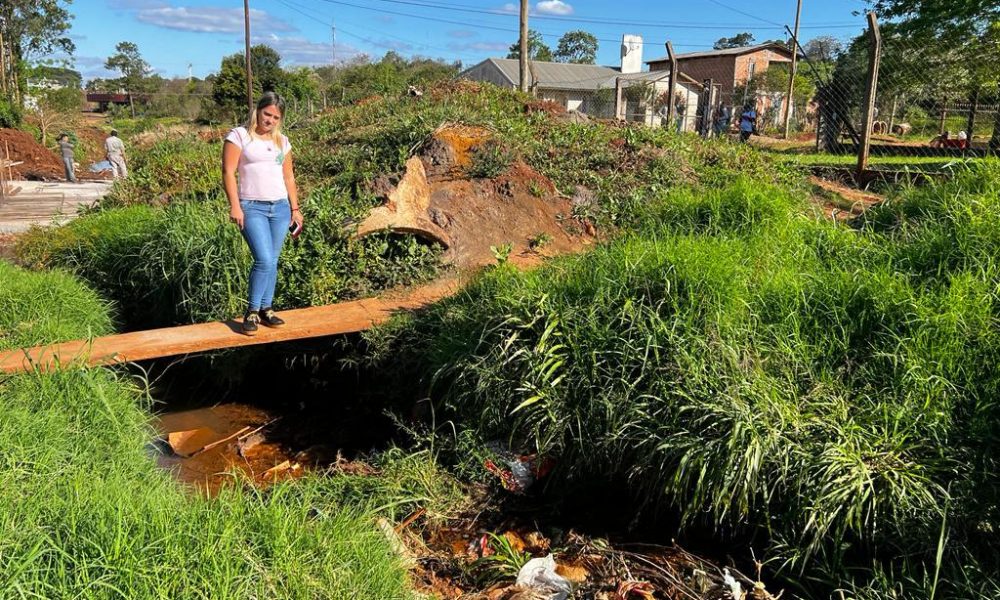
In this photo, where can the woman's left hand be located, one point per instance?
(296, 218)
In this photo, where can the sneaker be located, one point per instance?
(270, 318)
(250, 321)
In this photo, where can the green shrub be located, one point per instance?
(171, 169)
(10, 114)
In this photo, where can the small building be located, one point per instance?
(591, 89)
(729, 69)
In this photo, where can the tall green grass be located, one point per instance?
(186, 263)
(753, 368)
(84, 511)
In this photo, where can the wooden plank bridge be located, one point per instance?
(317, 321)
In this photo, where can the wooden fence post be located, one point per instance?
(672, 88)
(619, 116)
(874, 58)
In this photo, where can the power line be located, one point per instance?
(600, 20)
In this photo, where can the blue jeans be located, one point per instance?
(265, 225)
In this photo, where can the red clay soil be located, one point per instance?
(41, 164)
(436, 199)
(38, 162)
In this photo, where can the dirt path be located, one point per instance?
(317, 321)
(842, 202)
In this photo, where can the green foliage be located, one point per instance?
(45, 307)
(505, 562)
(755, 368)
(134, 70)
(32, 28)
(186, 263)
(737, 41)
(537, 48)
(10, 113)
(229, 89)
(175, 168)
(489, 160)
(89, 514)
(577, 47)
(390, 76)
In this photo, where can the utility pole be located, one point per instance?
(246, 20)
(791, 79)
(333, 42)
(524, 46)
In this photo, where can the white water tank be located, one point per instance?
(631, 53)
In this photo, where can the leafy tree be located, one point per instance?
(29, 28)
(229, 88)
(134, 70)
(537, 49)
(577, 47)
(54, 109)
(739, 40)
(389, 76)
(824, 48)
(946, 45)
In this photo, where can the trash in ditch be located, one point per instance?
(188, 442)
(100, 166)
(735, 589)
(540, 574)
(282, 468)
(247, 443)
(517, 473)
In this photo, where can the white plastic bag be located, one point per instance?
(540, 574)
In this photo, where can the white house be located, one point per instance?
(590, 89)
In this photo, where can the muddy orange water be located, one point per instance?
(210, 447)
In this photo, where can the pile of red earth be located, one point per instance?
(37, 161)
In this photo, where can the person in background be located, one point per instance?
(722, 122)
(263, 202)
(115, 149)
(748, 122)
(66, 148)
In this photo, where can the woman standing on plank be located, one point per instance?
(263, 201)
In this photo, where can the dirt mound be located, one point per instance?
(518, 215)
(37, 161)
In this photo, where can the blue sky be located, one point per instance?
(172, 34)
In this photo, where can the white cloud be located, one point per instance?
(208, 19)
(480, 47)
(91, 67)
(553, 7)
(508, 9)
(135, 4)
(298, 51)
(462, 34)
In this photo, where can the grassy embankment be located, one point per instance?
(830, 391)
(161, 246)
(86, 512)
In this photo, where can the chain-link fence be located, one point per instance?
(911, 97)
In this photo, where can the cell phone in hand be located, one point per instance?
(295, 229)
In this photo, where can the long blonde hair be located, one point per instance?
(268, 99)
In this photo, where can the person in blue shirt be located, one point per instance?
(748, 122)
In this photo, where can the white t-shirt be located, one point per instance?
(260, 170)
